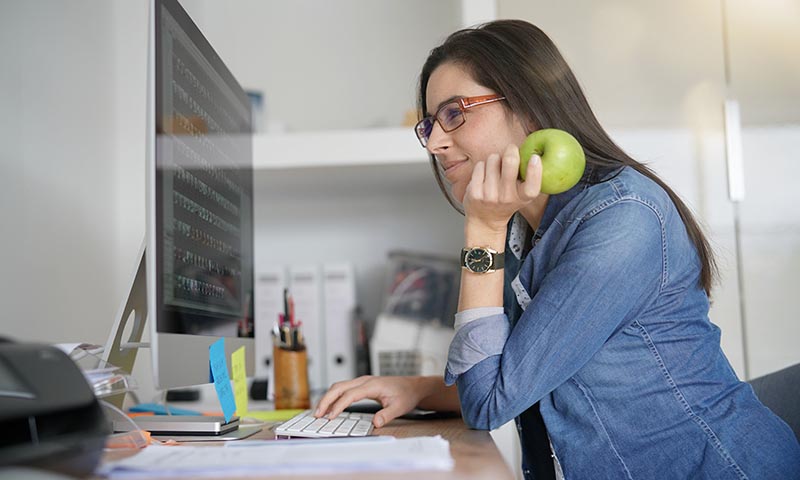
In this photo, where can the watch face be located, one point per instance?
(478, 260)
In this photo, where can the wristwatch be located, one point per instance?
(482, 259)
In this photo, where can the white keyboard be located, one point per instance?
(345, 425)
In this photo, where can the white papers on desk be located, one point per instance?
(282, 457)
(104, 378)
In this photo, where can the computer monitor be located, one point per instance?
(193, 284)
(199, 253)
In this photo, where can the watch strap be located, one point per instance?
(499, 260)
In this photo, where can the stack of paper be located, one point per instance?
(104, 378)
(287, 457)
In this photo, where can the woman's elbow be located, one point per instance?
(481, 406)
(482, 422)
(481, 415)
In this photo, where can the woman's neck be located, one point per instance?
(534, 212)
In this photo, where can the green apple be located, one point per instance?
(563, 160)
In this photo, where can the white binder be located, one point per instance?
(305, 287)
(339, 303)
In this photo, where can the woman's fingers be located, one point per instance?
(495, 191)
(396, 395)
(491, 181)
(475, 187)
(509, 174)
(389, 413)
(335, 392)
(530, 188)
(372, 387)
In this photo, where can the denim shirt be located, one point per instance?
(606, 325)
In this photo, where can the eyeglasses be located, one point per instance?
(451, 115)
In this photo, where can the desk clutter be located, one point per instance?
(49, 414)
(413, 331)
(410, 335)
(322, 309)
(290, 358)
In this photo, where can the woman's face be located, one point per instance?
(488, 128)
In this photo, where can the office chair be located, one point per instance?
(780, 392)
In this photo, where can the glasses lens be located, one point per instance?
(424, 129)
(450, 116)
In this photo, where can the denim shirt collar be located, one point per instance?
(556, 202)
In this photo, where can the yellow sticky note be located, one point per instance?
(274, 415)
(239, 381)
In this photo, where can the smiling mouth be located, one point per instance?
(453, 167)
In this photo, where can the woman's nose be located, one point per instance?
(439, 140)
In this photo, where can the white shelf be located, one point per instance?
(337, 148)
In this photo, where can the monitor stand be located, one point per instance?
(122, 353)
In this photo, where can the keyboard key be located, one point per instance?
(303, 423)
(331, 426)
(346, 426)
(315, 425)
(295, 419)
(361, 429)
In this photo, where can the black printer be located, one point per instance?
(49, 416)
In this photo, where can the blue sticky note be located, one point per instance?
(222, 382)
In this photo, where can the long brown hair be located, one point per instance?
(518, 60)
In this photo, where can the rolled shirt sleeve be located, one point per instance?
(480, 333)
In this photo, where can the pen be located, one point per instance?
(286, 302)
(291, 311)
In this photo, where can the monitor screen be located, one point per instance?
(200, 201)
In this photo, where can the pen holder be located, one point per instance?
(291, 378)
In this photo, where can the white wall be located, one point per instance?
(328, 64)
(60, 248)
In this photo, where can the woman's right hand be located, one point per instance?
(495, 192)
(397, 396)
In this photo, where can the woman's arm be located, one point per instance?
(493, 195)
(612, 267)
(437, 396)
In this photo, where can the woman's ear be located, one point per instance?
(531, 126)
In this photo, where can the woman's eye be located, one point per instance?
(451, 114)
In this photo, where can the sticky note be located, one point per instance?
(222, 382)
(239, 381)
(274, 415)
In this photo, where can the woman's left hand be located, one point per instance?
(495, 191)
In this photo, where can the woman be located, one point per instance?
(594, 335)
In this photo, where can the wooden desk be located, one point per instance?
(475, 454)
